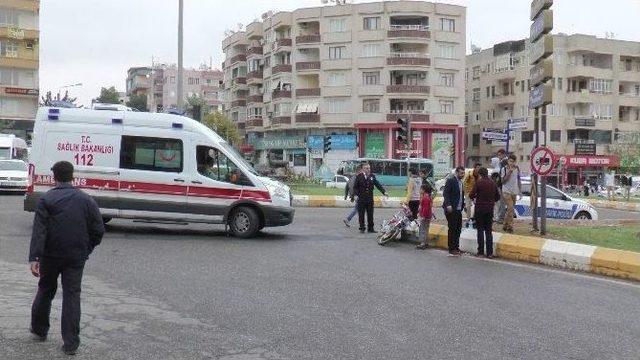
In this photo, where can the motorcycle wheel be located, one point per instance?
(387, 236)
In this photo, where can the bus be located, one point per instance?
(12, 147)
(390, 172)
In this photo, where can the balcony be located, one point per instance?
(307, 65)
(409, 89)
(307, 118)
(308, 39)
(239, 81)
(241, 125)
(408, 58)
(411, 115)
(238, 58)
(255, 98)
(281, 94)
(308, 92)
(18, 34)
(254, 50)
(255, 75)
(409, 31)
(282, 68)
(505, 99)
(281, 120)
(254, 121)
(238, 103)
(282, 43)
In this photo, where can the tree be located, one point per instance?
(197, 107)
(108, 96)
(138, 102)
(629, 154)
(64, 101)
(222, 125)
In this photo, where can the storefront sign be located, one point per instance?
(541, 49)
(586, 121)
(540, 96)
(541, 25)
(537, 6)
(20, 91)
(374, 145)
(541, 72)
(442, 152)
(293, 142)
(338, 142)
(585, 148)
(576, 161)
(494, 136)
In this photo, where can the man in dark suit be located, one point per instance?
(363, 190)
(66, 228)
(453, 204)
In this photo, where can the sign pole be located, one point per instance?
(534, 177)
(543, 182)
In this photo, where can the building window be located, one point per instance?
(447, 50)
(602, 86)
(153, 154)
(338, 25)
(476, 118)
(559, 83)
(8, 17)
(527, 136)
(522, 86)
(371, 23)
(8, 48)
(370, 50)
(173, 79)
(299, 159)
(448, 25)
(371, 78)
(476, 72)
(488, 91)
(601, 110)
(555, 135)
(446, 106)
(337, 52)
(476, 94)
(338, 105)
(337, 78)
(446, 79)
(371, 105)
(475, 140)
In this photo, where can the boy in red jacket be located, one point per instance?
(426, 214)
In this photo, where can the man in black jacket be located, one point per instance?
(363, 190)
(453, 204)
(66, 228)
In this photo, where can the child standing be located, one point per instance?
(425, 214)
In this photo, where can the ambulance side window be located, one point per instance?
(219, 167)
(154, 154)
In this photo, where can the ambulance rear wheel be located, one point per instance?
(244, 222)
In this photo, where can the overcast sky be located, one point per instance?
(94, 42)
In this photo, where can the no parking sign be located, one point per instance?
(542, 161)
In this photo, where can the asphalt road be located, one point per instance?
(313, 290)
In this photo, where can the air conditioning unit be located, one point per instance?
(29, 45)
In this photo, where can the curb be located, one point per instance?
(559, 254)
(394, 202)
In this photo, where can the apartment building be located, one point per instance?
(349, 71)
(596, 102)
(19, 84)
(159, 84)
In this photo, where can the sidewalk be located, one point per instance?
(114, 325)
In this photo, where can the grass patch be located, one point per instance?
(622, 237)
(632, 199)
(397, 191)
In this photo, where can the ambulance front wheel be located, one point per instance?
(244, 222)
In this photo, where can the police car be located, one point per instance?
(559, 205)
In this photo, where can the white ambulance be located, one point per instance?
(155, 167)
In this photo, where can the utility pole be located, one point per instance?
(180, 68)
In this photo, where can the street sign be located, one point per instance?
(537, 6)
(542, 161)
(588, 121)
(541, 25)
(541, 49)
(584, 148)
(541, 72)
(494, 136)
(540, 95)
(518, 124)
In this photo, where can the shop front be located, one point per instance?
(575, 169)
(444, 144)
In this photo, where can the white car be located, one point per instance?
(14, 176)
(559, 205)
(338, 182)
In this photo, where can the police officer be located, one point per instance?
(363, 190)
(66, 228)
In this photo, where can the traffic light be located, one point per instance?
(403, 131)
(327, 144)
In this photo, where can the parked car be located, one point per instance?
(14, 176)
(338, 182)
(559, 205)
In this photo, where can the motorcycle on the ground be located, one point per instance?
(399, 224)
